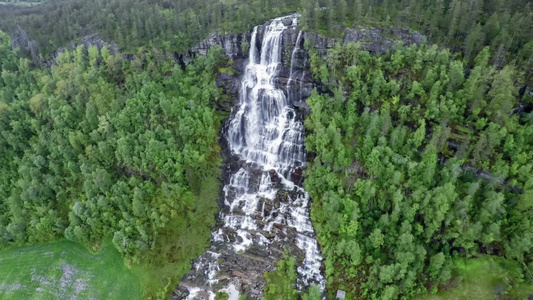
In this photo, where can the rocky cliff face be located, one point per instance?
(374, 40)
(232, 44)
(93, 40)
(21, 41)
(264, 211)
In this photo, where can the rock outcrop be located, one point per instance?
(232, 44)
(93, 40)
(374, 40)
(20, 40)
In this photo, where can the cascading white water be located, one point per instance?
(264, 133)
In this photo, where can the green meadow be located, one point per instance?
(484, 278)
(65, 270)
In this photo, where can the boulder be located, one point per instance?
(340, 294)
(274, 177)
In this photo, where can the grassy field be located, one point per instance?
(65, 270)
(486, 278)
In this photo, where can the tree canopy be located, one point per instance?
(415, 163)
(100, 147)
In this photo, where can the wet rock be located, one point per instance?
(303, 106)
(274, 177)
(229, 83)
(180, 293)
(287, 21)
(233, 164)
(255, 179)
(297, 176)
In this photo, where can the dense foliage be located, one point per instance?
(98, 147)
(281, 283)
(169, 25)
(417, 160)
(466, 26)
(418, 155)
(463, 25)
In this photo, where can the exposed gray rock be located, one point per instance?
(340, 294)
(374, 40)
(377, 40)
(20, 40)
(96, 40)
(88, 42)
(320, 43)
(230, 84)
(230, 43)
(409, 36)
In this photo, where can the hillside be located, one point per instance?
(271, 149)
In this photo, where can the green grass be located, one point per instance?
(485, 278)
(64, 269)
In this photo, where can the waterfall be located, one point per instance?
(268, 139)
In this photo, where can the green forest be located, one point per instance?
(99, 147)
(464, 26)
(418, 165)
(420, 159)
